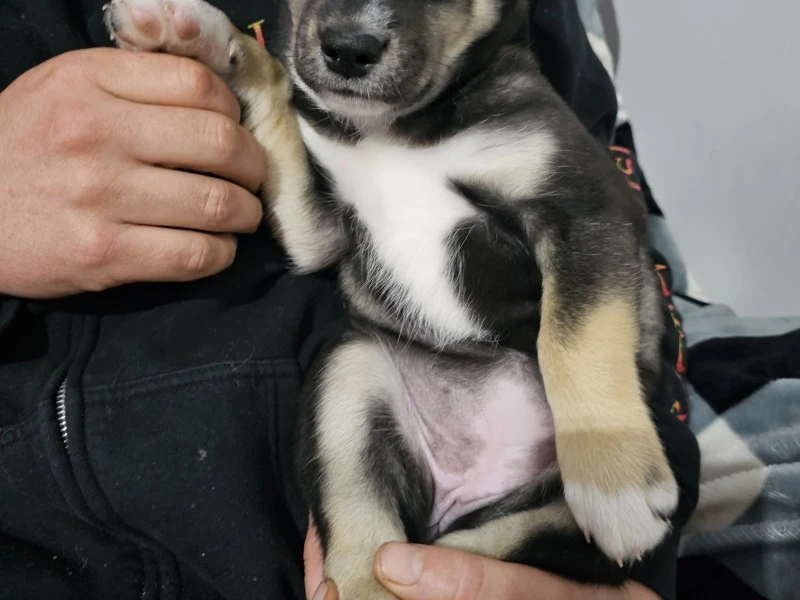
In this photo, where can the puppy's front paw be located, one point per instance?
(620, 490)
(189, 28)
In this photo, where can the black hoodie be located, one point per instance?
(145, 432)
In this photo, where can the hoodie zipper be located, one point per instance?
(61, 416)
(140, 541)
(61, 413)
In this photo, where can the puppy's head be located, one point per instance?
(376, 60)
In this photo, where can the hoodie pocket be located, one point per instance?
(199, 460)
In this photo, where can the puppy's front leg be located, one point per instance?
(311, 233)
(352, 464)
(617, 480)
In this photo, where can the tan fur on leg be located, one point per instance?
(616, 477)
(262, 83)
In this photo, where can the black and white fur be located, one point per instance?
(504, 309)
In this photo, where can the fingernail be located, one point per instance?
(321, 591)
(401, 563)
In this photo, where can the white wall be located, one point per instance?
(713, 91)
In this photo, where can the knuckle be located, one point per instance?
(75, 128)
(68, 68)
(195, 79)
(198, 257)
(218, 207)
(89, 186)
(223, 136)
(96, 247)
(72, 70)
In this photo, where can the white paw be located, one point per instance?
(626, 523)
(182, 27)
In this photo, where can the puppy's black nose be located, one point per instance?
(350, 53)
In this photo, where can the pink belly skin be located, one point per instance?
(480, 437)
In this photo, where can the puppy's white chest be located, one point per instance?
(395, 188)
(403, 198)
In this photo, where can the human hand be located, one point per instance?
(91, 195)
(413, 572)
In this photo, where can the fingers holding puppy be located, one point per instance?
(88, 168)
(433, 573)
(412, 572)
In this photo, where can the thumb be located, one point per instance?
(413, 572)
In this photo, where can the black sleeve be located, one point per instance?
(558, 38)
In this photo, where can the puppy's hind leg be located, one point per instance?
(546, 537)
(355, 464)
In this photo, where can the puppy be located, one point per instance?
(492, 393)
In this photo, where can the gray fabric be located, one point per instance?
(748, 514)
(720, 321)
